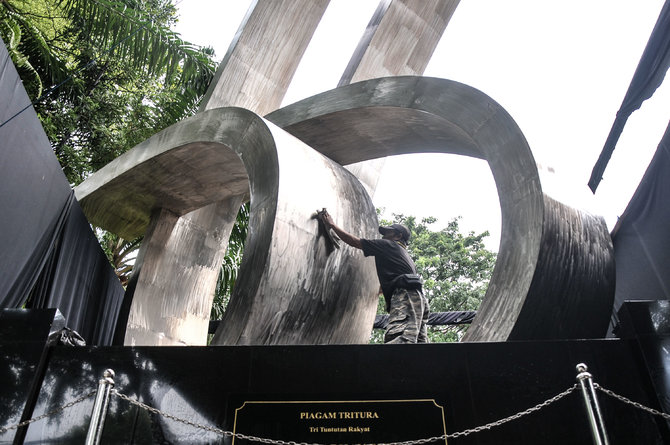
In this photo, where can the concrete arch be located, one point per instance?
(554, 277)
(182, 168)
(290, 289)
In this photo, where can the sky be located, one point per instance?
(561, 69)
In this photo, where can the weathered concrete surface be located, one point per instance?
(254, 74)
(179, 181)
(172, 319)
(289, 290)
(399, 40)
(530, 294)
(305, 295)
(264, 55)
(574, 280)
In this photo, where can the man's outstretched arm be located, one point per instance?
(347, 237)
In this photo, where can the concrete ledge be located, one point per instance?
(182, 168)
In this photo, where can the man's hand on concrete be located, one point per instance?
(348, 238)
(327, 219)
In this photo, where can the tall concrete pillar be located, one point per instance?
(264, 55)
(399, 41)
(156, 318)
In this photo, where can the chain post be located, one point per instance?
(99, 412)
(592, 408)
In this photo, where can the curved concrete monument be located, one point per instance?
(255, 74)
(290, 288)
(182, 188)
(554, 277)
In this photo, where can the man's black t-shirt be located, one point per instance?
(391, 260)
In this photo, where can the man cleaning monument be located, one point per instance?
(401, 285)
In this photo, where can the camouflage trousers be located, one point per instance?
(408, 317)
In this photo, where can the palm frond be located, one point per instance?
(10, 31)
(9, 28)
(152, 46)
(231, 263)
(29, 49)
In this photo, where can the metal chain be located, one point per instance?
(408, 442)
(169, 416)
(221, 432)
(537, 407)
(630, 402)
(48, 413)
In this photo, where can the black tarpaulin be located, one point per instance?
(50, 256)
(80, 282)
(641, 237)
(648, 77)
(34, 190)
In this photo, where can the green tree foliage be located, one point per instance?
(121, 254)
(28, 29)
(456, 269)
(104, 75)
(231, 264)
